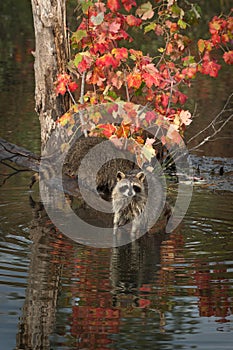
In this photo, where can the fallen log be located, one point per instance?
(9, 152)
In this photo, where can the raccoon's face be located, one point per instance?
(130, 186)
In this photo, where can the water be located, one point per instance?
(162, 292)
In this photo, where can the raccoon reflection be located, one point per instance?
(129, 200)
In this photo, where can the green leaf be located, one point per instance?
(177, 11)
(79, 35)
(189, 60)
(78, 58)
(182, 24)
(85, 5)
(149, 27)
(161, 49)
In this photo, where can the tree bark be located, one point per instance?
(51, 55)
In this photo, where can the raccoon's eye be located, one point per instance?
(123, 188)
(136, 188)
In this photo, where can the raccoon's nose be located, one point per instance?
(131, 193)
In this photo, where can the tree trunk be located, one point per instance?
(51, 55)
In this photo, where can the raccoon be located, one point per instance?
(106, 177)
(128, 200)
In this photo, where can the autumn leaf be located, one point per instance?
(173, 134)
(150, 27)
(135, 54)
(228, 57)
(96, 77)
(83, 61)
(182, 24)
(78, 35)
(148, 151)
(64, 119)
(134, 80)
(113, 5)
(210, 68)
(150, 80)
(61, 89)
(164, 100)
(123, 130)
(133, 21)
(185, 117)
(120, 53)
(145, 11)
(107, 60)
(128, 4)
(72, 86)
(139, 140)
(62, 82)
(201, 45)
(107, 129)
(116, 79)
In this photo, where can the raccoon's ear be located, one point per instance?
(120, 175)
(141, 176)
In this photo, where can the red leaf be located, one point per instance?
(209, 67)
(107, 129)
(228, 57)
(128, 4)
(72, 86)
(113, 5)
(61, 89)
(150, 80)
(164, 100)
(107, 60)
(133, 21)
(120, 53)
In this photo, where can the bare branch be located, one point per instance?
(216, 131)
(213, 124)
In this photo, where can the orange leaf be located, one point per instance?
(134, 80)
(120, 53)
(107, 129)
(201, 45)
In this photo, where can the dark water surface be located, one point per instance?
(162, 292)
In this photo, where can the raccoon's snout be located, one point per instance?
(127, 191)
(130, 193)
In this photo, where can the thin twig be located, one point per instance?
(214, 121)
(208, 138)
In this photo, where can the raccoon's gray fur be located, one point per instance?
(129, 199)
(106, 176)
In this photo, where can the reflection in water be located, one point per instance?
(157, 291)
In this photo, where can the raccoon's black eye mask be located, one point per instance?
(136, 188)
(123, 188)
